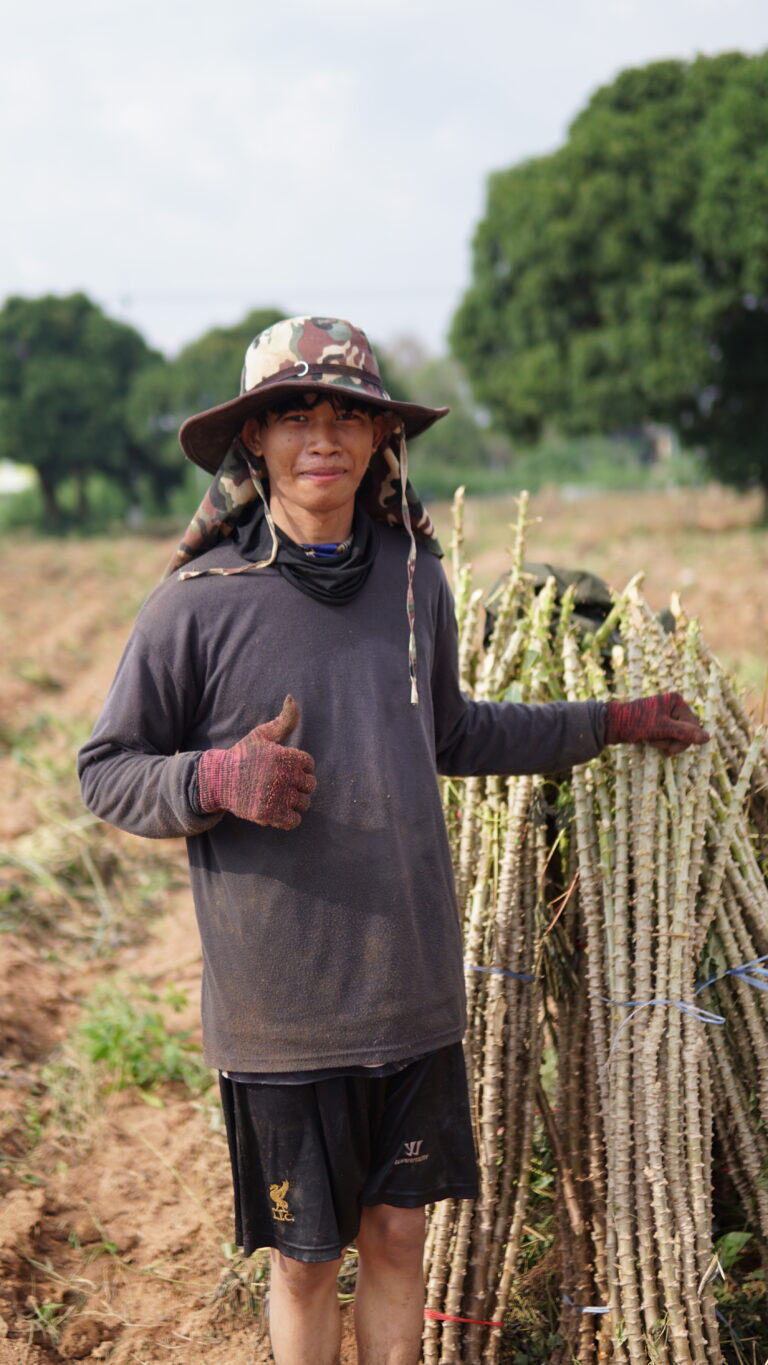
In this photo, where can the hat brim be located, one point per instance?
(206, 437)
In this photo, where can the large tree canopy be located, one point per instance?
(65, 372)
(624, 278)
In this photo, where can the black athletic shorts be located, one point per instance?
(306, 1158)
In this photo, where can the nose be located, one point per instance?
(322, 435)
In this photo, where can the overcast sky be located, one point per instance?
(185, 160)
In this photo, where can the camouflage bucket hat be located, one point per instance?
(298, 353)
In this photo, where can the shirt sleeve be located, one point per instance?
(134, 771)
(484, 737)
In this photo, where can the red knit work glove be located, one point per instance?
(257, 778)
(666, 721)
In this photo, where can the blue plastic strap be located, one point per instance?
(706, 1016)
(591, 1309)
(499, 971)
(745, 971)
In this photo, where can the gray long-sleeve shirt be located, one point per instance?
(337, 942)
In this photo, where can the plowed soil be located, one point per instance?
(114, 1238)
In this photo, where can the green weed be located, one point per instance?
(45, 1321)
(130, 1040)
(94, 1249)
(122, 1040)
(730, 1246)
(37, 675)
(33, 1123)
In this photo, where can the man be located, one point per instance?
(332, 1000)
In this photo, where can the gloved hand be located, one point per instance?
(666, 721)
(257, 778)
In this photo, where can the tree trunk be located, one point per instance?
(83, 505)
(50, 500)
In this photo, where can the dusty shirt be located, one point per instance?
(337, 942)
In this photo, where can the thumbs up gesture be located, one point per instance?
(258, 779)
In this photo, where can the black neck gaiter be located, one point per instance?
(334, 580)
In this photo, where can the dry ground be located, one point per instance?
(113, 1239)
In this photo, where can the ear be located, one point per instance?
(250, 436)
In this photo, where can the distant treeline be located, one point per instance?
(619, 290)
(93, 409)
(96, 412)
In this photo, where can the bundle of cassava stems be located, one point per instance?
(615, 926)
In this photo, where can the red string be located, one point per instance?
(446, 1317)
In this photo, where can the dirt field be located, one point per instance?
(115, 1224)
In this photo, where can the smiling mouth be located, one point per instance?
(323, 475)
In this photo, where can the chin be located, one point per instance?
(329, 500)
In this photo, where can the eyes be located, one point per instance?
(300, 416)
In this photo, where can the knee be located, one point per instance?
(392, 1235)
(303, 1279)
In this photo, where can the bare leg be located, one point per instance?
(389, 1300)
(304, 1320)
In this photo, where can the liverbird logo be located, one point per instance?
(280, 1211)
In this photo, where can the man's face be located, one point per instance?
(316, 454)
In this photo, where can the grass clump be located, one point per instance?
(123, 1039)
(126, 1035)
(45, 1322)
(243, 1284)
(70, 877)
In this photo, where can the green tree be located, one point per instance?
(624, 278)
(204, 373)
(65, 372)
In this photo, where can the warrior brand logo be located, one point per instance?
(280, 1211)
(413, 1153)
